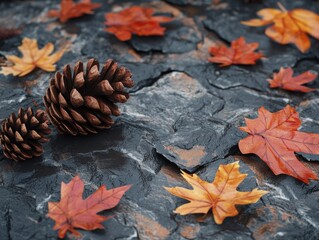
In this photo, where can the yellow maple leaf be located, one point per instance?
(220, 195)
(32, 57)
(288, 26)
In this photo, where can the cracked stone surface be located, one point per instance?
(184, 113)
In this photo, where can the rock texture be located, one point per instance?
(183, 114)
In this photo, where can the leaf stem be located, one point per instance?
(282, 8)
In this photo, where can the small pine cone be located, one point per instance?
(84, 102)
(21, 136)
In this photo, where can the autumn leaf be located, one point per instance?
(74, 212)
(32, 57)
(69, 9)
(240, 52)
(288, 26)
(220, 195)
(135, 20)
(275, 138)
(285, 80)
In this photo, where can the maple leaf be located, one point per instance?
(135, 20)
(240, 52)
(275, 138)
(32, 57)
(74, 212)
(69, 9)
(288, 26)
(285, 80)
(220, 195)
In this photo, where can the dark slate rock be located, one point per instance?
(184, 113)
(198, 140)
(288, 203)
(177, 39)
(227, 24)
(180, 111)
(145, 74)
(190, 2)
(308, 112)
(253, 77)
(19, 218)
(120, 156)
(244, 102)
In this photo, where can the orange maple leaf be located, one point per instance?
(135, 20)
(220, 195)
(275, 138)
(240, 52)
(69, 9)
(32, 57)
(289, 26)
(285, 80)
(74, 212)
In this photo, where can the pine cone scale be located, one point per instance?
(104, 88)
(62, 101)
(67, 74)
(77, 116)
(76, 98)
(110, 74)
(53, 94)
(18, 137)
(79, 68)
(64, 86)
(65, 114)
(26, 146)
(93, 75)
(79, 80)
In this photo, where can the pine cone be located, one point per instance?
(83, 103)
(21, 136)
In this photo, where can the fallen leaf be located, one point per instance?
(74, 212)
(288, 26)
(220, 195)
(285, 80)
(135, 20)
(240, 52)
(69, 9)
(275, 138)
(32, 57)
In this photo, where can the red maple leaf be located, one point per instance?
(69, 9)
(285, 80)
(135, 20)
(239, 52)
(275, 138)
(74, 212)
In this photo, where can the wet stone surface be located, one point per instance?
(184, 113)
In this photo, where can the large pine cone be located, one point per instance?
(21, 136)
(84, 102)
